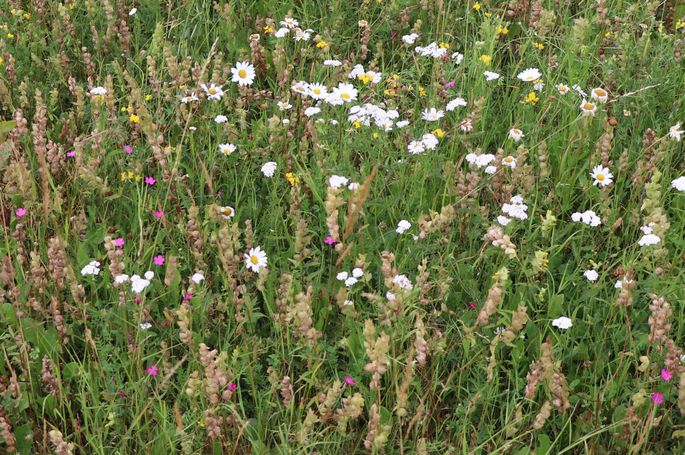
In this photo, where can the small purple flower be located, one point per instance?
(329, 240)
(232, 386)
(71, 153)
(657, 398)
(150, 180)
(152, 370)
(119, 242)
(449, 84)
(128, 149)
(349, 380)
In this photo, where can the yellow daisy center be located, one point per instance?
(588, 106)
(212, 91)
(345, 96)
(242, 73)
(317, 91)
(254, 259)
(508, 159)
(600, 92)
(600, 177)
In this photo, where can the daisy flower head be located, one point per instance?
(430, 141)
(509, 161)
(599, 94)
(255, 259)
(213, 92)
(243, 73)
(289, 22)
(343, 93)
(227, 149)
(515, 134)
(317, 91)
(588, 109)
(432, 115)
(675, 132)
(529, 75)
(679, 183)
(562, 89)
(416, 147)
(227, 212)
(602, 176)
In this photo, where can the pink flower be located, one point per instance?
(449, 84)
(159, 213)
(232, 386)
(122, 394)
(329, 240)
(666, 375)
(657, 398)
(187, 297)
(21, 211)
(158, 260)
(138, 300)
(128, 149)
(349, 380)
(71, 153)
(119, 242)
(152, 370)
(472, 306)
(150, 180)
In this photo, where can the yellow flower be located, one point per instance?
(27, 16)
(422, 91)
(357, 124)
(476, 6)
(680, 24)
(292, 178)
(134, 118)
(123, 109)
(375, 135)
(439, 133)
(365, 78)
(268, 30)
(444, 45)
(123, 176)
(532, 99)
(487, 14)
(148, 97)
(131, 175)
(322, 44)
(10, 35)
(502, 30)
(539, 46)
(485, 58)
(1, 61)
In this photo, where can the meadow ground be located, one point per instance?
(320, 227)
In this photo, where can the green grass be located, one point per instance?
(75, 360)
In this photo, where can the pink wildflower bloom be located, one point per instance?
(187, 297)
(122, 394)
(657, 398)
(232, 386)
(71, 153)
(138, 300)
(152, 370)
(472, 306)
(159, 213)
(150, 180)
(21, 211)
(449, 84)
(329, 240)
(666, 375)
(349, 380)
(119, 242)
(128, 149)
(158, 260)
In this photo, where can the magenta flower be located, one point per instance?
(21, 211)
(349, 380)
(119, 242)
(232, 386)
(150, 180)
(187, 297)
(71, 153)
(159, 213)
(128, 149)
(138, 300)
(329, 240)
(152, 370)
(449, 84)
(657, 398)
(472, 306)
(122, 394)
(158, 260)
(666, 375)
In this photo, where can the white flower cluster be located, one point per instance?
(587, 217)
(350, 279)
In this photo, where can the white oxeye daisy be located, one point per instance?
(317, 91)
(516, 134)
(562, 323)
(345, 92)
(284, 105)
(303, 35)
(337, 181)
(509, 161)
(599, 94)
(562, 89)
(679, 183)
(188, 98)
(402, 226)
(227, 149)
(602, 176)
(529, 75)
(220, 119)
(243, 73)
(227, 212)
(588, 108)
(281, 32)
(458, 57)
(289, 22)
(310, 111)
(432, 115)
(268, 169)
(213, 92)
(256, 259)
(675, 132)
(591, 275)
(416, 147)
(491, 76)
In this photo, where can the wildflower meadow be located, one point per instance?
(342, 227)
